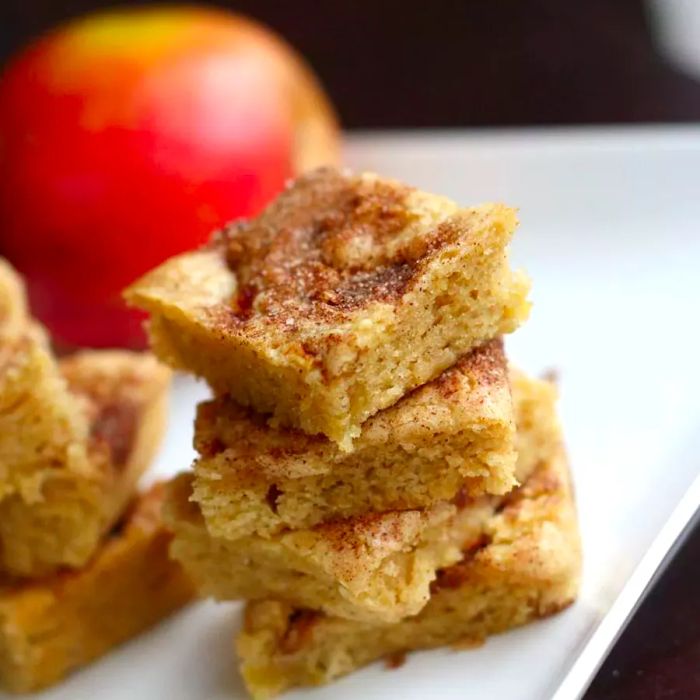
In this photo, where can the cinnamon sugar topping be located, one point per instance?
(330, 244)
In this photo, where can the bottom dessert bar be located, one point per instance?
(51, 627)
(524, 566)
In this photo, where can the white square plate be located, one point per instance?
(610, 235)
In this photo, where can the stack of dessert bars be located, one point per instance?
(83, 559)
(372, 476)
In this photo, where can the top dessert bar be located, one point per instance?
(75, 435)
(347, 292)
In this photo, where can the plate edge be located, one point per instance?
(601, 640)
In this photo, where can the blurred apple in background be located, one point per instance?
(127, 137)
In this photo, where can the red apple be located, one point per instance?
(126, 137)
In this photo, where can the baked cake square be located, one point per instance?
(51, 627)
(454, 434)
(75, 435)
(347, 292)
(524, 565)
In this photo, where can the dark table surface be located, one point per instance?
(503, 62)
(658, 655)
